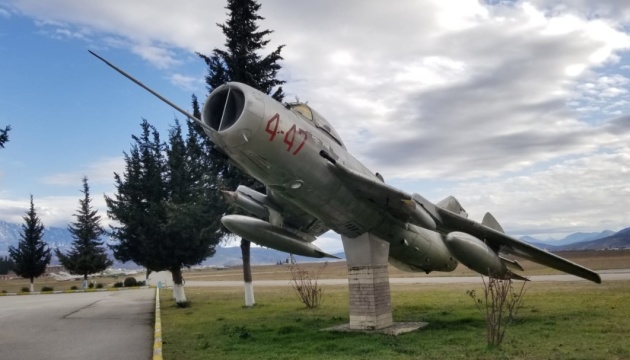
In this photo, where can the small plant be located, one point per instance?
(305, 285)
(236, 331)
(99, 285)
(4, 291)
(141, 283)
(500, 303)
(130, 281)
(47, 288)
(25, 289)
(91, 286)
(74, 287)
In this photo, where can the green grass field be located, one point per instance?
(576, 320)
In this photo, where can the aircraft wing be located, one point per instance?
(393, 200)
(499, 241)
(372, 189)
(297, 218)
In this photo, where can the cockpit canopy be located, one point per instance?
(318, 121)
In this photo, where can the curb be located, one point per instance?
(75, 291)
(157, 341)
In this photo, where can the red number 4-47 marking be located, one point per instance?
(289, 137)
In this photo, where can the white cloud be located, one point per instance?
(149, 28)
(100, 172)
(513, 100)
(4, 13)
(56, 211)
(187, 82)
(157, 55)
(578, 194)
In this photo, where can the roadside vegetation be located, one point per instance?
(576, 320)
(18, 284)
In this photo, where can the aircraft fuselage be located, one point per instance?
(282, 148)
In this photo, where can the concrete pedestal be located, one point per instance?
(368, 282)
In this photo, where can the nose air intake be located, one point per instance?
(225, 107)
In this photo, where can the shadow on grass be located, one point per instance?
(455, 324)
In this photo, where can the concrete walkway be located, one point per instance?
(95, 325)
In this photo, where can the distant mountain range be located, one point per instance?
(606, 240)
(10, 235)
(231, 256)
(60, 238)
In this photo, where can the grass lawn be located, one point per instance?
(576, 320)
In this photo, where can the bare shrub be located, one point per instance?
(500, 304)
(304, 283)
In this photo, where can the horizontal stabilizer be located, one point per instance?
(518, 277)
(513, 264)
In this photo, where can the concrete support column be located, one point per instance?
(368, 282)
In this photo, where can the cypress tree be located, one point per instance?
(165, 205)
(6, 264)
(32, 254)
(4, 136)
(138, 203)
(241, 62)
(87, 255)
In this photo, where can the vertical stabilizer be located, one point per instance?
(491, 222)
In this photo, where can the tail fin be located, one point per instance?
(451, 204)
(492, 223)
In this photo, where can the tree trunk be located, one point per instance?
(247, 273)
(32, 286)
(178, 285)
(84, 281)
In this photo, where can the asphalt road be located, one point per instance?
(96, 325)
(606, 275)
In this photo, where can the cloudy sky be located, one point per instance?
(519, 108)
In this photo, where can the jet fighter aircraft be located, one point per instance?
(314, 185)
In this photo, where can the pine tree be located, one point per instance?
(136, 204)
(165, 205)
(241, 62)
(4, 136)
(6, 264)
(32, 254)
(87, 255)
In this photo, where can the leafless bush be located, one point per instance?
(500, 304)
(304, 283)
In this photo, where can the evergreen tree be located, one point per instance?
(138, 203)
(165, 205)
(87, 255)
(241, 62)
(6, 264)
(4, 136)
(32, 254)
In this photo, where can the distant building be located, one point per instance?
(54, 269)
